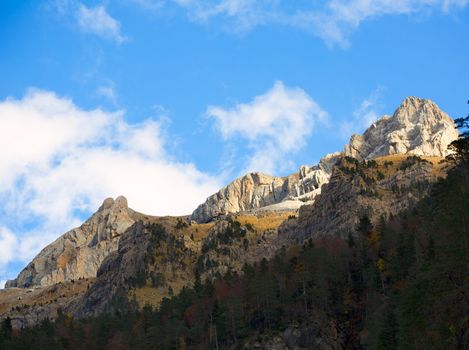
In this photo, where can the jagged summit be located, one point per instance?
(417, 127)
(258, 190)
(119, 202)
(79, 252)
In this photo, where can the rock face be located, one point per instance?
(385, 186)
(257, 190)
(417, 127)
(79, 252)
(151, 249)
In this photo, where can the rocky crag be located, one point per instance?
(417, 127)
(380, 187)
(79, 253)
(258, 190)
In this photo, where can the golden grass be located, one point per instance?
(264, 221)
(154, 296)
(198, 231)
(397, 159)
(23, 296)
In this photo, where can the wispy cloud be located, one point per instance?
(332, 20)
(58, 161)
(96, 20)
(365, 115)
(107, 92)
(8, 248)
(276, 124)
(93, 20)
(341, 18)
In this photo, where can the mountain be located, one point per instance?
(79, 253)
(123, 260)
(417, 127)
(399, 283)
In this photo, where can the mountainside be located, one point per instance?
(79, 252)
(380, 187)
(158, 257)
(397, 284)
(417, 127)
(120, 259)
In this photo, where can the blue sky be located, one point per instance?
(165, 101)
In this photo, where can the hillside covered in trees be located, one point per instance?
(399, 284)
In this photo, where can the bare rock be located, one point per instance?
(79, 252)
(258, 190)
(417, 127)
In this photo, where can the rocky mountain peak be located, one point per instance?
(111, 204)
(79, 252)
(417, 127)
(412, 108)
(111, 220)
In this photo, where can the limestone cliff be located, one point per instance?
(417, 127)
(79, 252)
(257, 190)
(152, 251)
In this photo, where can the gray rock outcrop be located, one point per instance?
(258, 190)
(417, 127)
(79, 252)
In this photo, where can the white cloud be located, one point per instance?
(57, 160)
(245, 13)
(96, 20)
(108, 92)
(332, 20)
(275, 124)
(365, 115)
(8, 247)
(340, 18)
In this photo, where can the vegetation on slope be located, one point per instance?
(402, 284)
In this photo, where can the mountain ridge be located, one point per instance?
(79, 252)
(145, 259)
(417, 127)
